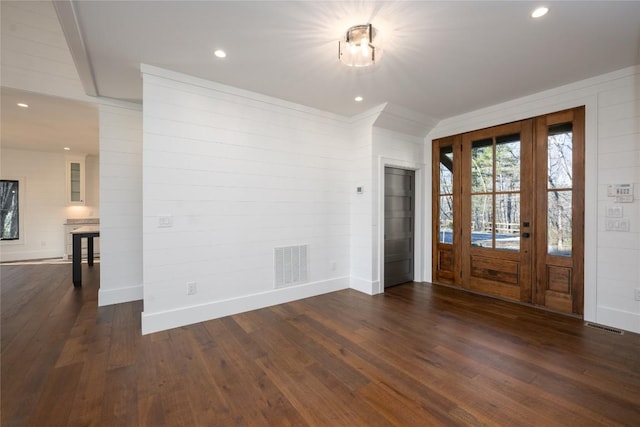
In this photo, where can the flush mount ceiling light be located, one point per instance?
(359, 47)
(219, 53)
(22, 105)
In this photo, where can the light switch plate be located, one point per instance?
(615, 212)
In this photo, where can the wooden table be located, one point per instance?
(88, 232)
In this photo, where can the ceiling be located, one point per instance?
(440, 58)
(49, 124)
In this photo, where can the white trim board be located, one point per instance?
(160, 321)
(119, 295)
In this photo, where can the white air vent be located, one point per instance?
(291, 265)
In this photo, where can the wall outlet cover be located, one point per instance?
(192, 288)
(165, 221)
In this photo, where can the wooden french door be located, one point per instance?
(509, 208)
(496, 207)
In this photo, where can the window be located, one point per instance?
(9, 214)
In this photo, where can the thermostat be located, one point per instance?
(622, 192)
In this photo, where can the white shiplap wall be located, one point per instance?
(240, 174)
(618, 256)
(361, 217)
(612, 259)
(121, 205)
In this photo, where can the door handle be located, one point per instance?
(526, 235)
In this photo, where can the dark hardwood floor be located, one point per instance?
(418, 355)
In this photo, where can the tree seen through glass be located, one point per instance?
(446, 195)
(495, 186)
(560, 184)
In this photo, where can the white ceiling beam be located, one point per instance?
(73, 34)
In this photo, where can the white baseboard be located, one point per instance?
(626, 320)
(155, 322)
(119, 295)
(7, 255)
(365, 286)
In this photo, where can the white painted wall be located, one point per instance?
(240, 174)
(44, 204)
(612, 259)
(121, 205)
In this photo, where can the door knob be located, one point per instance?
(526, 235)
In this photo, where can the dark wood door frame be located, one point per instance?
(555, 281)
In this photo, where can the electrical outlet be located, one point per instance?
(637, 294)
(192, 288)
(333, 265)
(165, 221)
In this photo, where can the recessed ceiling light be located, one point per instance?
(358, 99)
(539, 12)
(67, 149)
(220, 53)
(23, 105)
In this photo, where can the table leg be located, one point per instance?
(90, 251)
(77, 260)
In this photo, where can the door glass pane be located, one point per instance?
(507, 223)
(560, 146)
(508, 163)
(559, 232)
(446, 170)
(482, 166)
(446, 219)
(482, 221)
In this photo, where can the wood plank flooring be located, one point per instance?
(418, 355)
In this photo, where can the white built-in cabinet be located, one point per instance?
(75, 179)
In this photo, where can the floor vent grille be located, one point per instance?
(291, 265)
(605, 328)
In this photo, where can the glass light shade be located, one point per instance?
(358, 48)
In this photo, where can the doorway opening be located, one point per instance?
(399, 226)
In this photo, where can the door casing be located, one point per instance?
(419, 212)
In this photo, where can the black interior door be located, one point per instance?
(399, 205)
